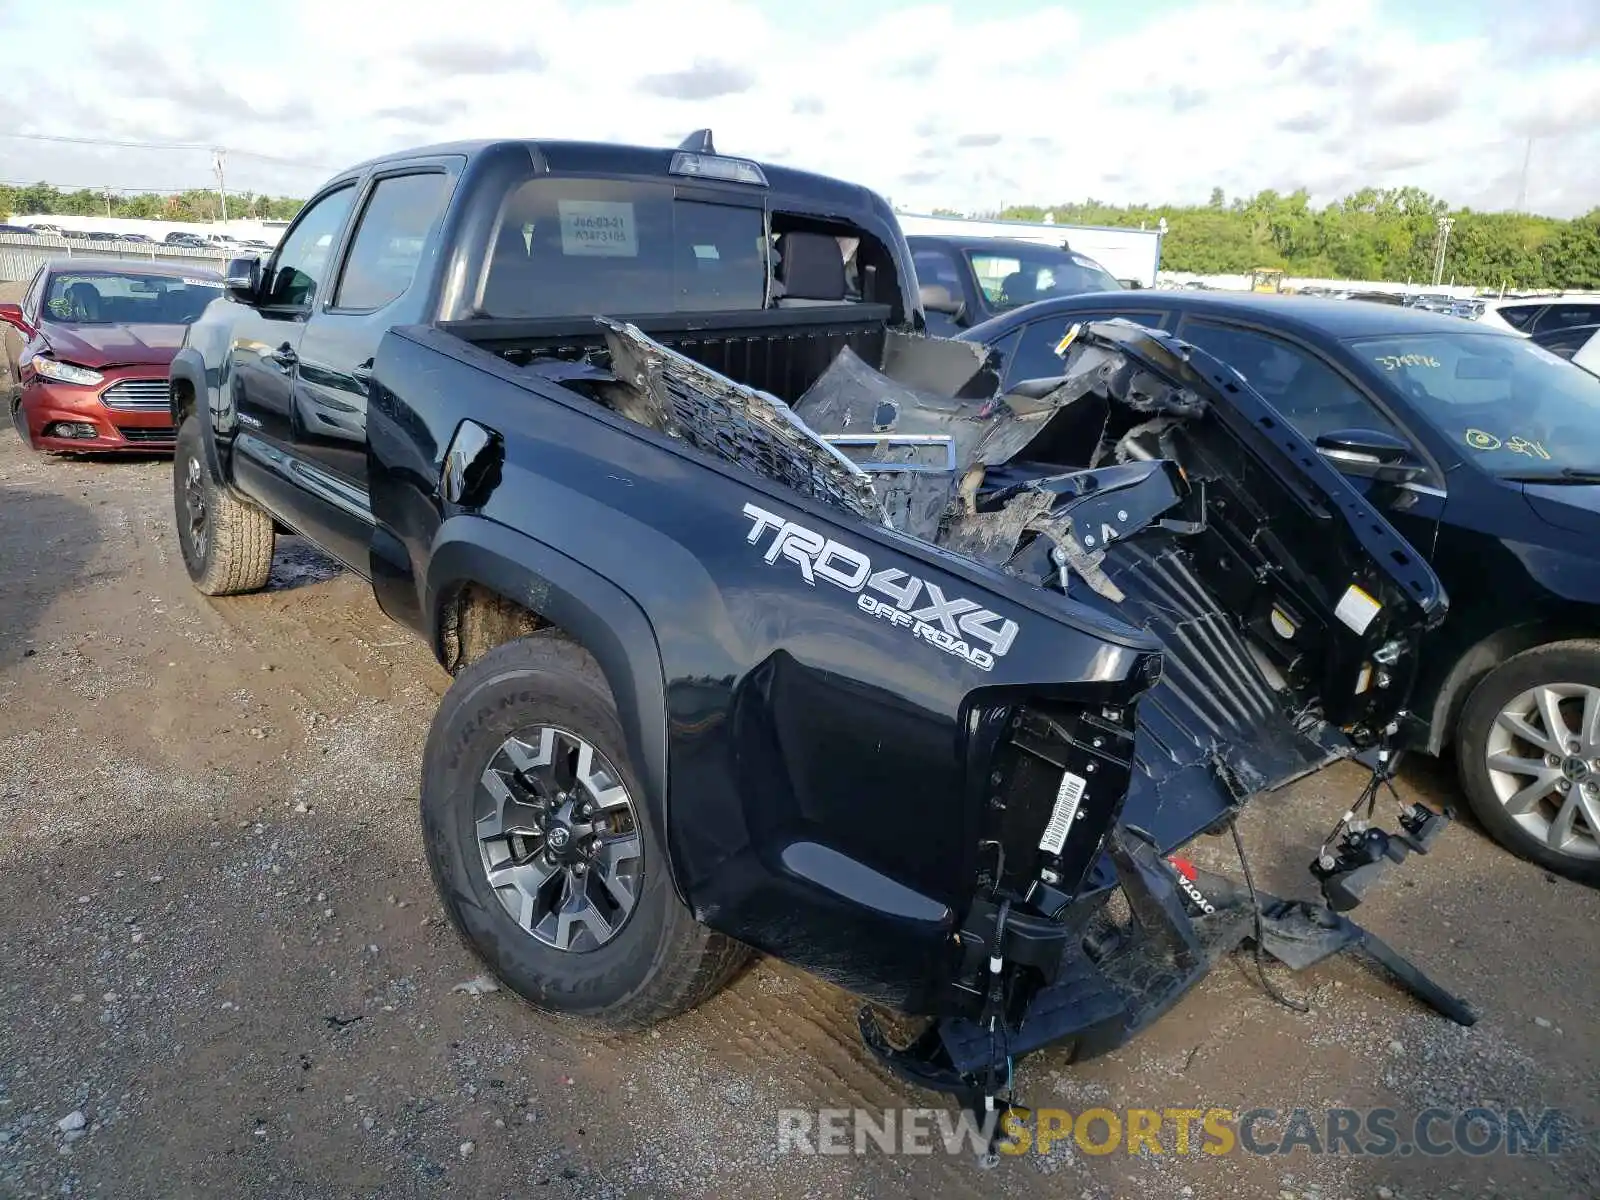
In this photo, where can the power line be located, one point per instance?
(89, 141)
(100, 187)
(130, 144)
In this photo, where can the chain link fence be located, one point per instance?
(22, 254)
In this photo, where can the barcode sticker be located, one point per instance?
(1068, 796)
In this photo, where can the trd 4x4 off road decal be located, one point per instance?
(952, 624)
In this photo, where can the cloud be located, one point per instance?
(1306, 122)
(706, 80)
(918, 67)
(449, 57)
(423, 114)
(1419, 103)
(1249, 94)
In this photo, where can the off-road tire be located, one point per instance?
(1575, 662)
(236, 551)
(661, 962)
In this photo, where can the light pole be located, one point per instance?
(1444, 240)
(219, 159)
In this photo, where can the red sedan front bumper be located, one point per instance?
(128, 412)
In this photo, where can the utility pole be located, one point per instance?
(219, 160)
(1444, 240)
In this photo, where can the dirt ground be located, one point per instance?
(220, 946)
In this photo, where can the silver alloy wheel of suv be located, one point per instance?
(559, 838)
(1543, 755)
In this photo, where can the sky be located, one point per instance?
(964, 106)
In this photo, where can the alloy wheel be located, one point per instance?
(1543, 755)
(194, 499)
(559, 838)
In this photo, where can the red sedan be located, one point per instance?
(96, 342)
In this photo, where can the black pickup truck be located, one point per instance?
(772, 622)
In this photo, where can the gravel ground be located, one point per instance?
(225, 973)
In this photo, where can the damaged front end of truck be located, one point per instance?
(1148, 483)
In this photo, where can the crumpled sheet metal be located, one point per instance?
(852, 397)
(993, 538)
(738, 424)
(1129, 383)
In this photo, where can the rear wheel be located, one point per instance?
(226, 542)
(543, 850)
(1528, 751)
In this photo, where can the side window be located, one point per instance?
(303, 256)
(1033, 356)
(1311, 395)
(1519, 316)
(1565, 342)
(1565, 316)
(400, 216)
(937, 267)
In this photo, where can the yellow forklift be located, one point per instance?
(1266, 279)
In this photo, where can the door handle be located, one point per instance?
(284, 356)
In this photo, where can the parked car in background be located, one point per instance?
(136, 237)
(22, 229)
(96, 342)
(1483, 449)
(967, 280)
(1579, 344)
(1541, 314)
(183, 238)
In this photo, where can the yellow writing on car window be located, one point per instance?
(1393, 362)
(1479, 440)
(1520, 445)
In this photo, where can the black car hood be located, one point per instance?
(1573, 507)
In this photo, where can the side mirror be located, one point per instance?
(1370, 454)
(11, 314)
(937, 298)
(242, 280)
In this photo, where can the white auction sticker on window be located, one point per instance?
(210, 283)
(1357, 609)
(598, 228)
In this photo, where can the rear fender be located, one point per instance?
(593, 611)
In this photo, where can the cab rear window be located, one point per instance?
(590, 246)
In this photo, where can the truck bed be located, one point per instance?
(782, 351)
